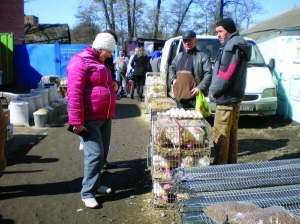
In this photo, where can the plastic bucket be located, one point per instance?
(56, 106)
(64, 106)
(40, 119)
(51, 114)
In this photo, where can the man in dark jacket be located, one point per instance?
(228, 90)
(190, 72)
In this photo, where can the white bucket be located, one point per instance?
(40, 119)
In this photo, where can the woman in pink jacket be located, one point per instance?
(92, 100)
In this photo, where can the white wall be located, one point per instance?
(285, 49)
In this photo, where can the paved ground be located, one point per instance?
(43, 179)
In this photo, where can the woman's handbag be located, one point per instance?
(202, 105)
(130, 75)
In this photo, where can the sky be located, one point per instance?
(63, 11)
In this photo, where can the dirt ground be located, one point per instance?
(43, 179)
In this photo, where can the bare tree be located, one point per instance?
(133, 18)
(156, 20)
(108, 10)
(130, 12)
(182, 17)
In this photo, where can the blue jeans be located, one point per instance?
(121, 76)
(96, 146)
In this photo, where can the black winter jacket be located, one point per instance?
(230, 71)
(202, 70)
(140, 65)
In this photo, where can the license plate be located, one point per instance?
(246, 108)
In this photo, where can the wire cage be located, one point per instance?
(179, 143)
(152, 92)
(155, 87)
(176, 143)
(164, 195)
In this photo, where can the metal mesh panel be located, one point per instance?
(244, 182)
(196, 218)
(271, 183)
(233, 170)
(295, 208)
(263, 197)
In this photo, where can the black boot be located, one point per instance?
(140, 97)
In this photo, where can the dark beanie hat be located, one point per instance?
(227, 24)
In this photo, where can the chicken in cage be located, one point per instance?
(162, 166)
(164, 192)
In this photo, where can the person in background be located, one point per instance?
(139, 64)
(130, 71)
(190, 72)
(92, 101)
(121, 63)
(228, 90)
(155, 61)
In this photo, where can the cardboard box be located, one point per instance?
(9, 131)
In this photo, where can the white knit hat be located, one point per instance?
(104, 41)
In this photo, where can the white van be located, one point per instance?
(260, 94)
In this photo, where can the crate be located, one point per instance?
(164, 195)
(155, 78)
(162, 104)
(154, 91)
(173, 136)
(178, 143)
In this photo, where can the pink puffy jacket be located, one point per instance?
(90, 92)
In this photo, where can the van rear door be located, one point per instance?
(171, 47)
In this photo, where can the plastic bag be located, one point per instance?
(202, 105)
(219, 212)
(270, 215)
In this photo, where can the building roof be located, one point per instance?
(288, 20)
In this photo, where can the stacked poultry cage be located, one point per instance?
(155, 87)
(179, 138)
